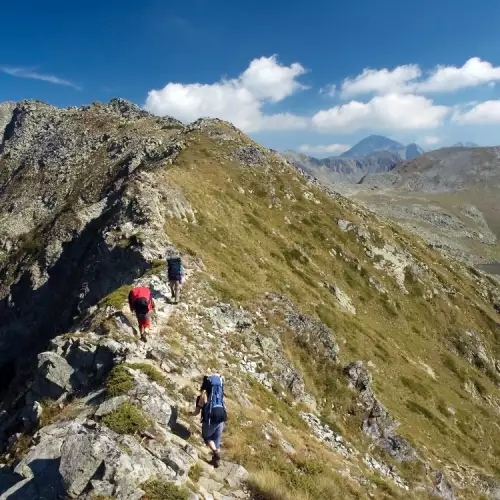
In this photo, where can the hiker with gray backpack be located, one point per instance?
(175, 272)
(210, 403)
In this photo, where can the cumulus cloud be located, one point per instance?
(238, 100)
(448, 78)
(484, 113)
(391, 111)
(407, 79)
(34, 75)
(430, 140)
(327, 148)
(381, 81)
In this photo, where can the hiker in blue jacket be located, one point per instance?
(210, 403)
(175, 277)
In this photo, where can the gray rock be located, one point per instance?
(41, 464)
(250, 155)
(325, 434)
(54, 376)
(378, 423)
(344, 301)
(343, 225)
(236, 475)
(178, 460)
(81, 455)
(319, 337)
(442, 487)
(102, 488)
(228, 318)
(110, 405)
(153, 400)
(30, 416)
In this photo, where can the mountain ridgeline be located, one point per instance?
(376, 143)
(358, 362)
(373, 154)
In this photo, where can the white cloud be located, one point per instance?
(328, 148)
(238, 100)
(430, 140)
(448, 78)
(407, 79)
(391, 111)
(329, 90)
(484, 113)
(381, 81)
(34, 75)
(265, 78)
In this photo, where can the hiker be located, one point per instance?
(141, 302)
(210, 403)
(175, 277)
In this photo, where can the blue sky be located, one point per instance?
(315, 75)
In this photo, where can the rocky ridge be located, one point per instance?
(302, 299)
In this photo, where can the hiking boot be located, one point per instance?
(216, 459)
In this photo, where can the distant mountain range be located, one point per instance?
(465, 145)
(376, 143)
(372, 155)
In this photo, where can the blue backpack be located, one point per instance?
(214, 411)
(175, 269)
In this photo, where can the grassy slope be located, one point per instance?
(250, 248)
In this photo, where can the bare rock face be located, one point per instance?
(65, 249)
(311, 331)
(6, 110)
(54, 376)
(378, 424)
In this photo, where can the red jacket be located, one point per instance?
(138, 292)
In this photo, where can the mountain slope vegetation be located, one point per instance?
(358, 361)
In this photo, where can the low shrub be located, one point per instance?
(127, 419)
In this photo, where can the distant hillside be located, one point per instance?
(465, 145)
(446, 169)
(343, 170)
(450, 196)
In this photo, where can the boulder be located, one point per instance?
(30, 415)
(54, 376)
(68, 455)
(153, 400)
(81, 455)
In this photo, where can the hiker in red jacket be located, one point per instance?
(141, 302)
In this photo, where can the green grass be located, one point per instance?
(195, 472)
(119, 382)
(157, 489)
(152, 373)
(127, 419)
(118, 298)
(257, 250)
